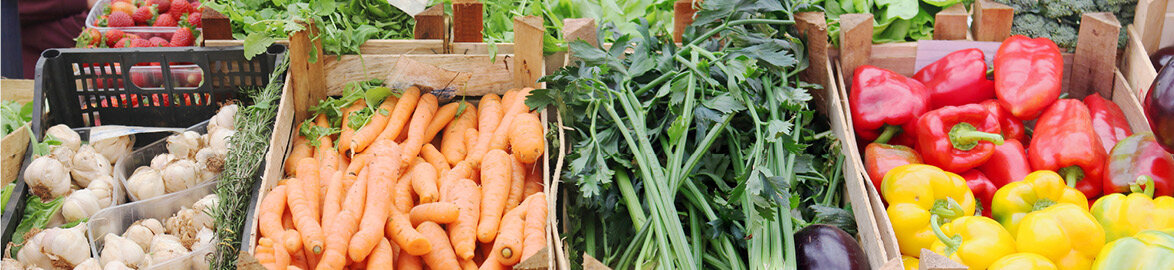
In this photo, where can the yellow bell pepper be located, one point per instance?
(910, 262)
(1147, 250)
(975, 241)
(1124, 216)
(918, 193)
(1023, 261)
(1064, 233)
(1037, 191)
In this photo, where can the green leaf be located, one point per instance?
(5, 193)
(777, 129)
(36, 215)
(375, 96)
(903, 9)
(257, 43)
(724, 104)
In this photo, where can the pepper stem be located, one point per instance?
(952, 243)
(888, 134)
(965, 136)
(1136, 186)
(1072, 174)
(947, 208)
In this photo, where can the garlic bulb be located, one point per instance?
(66, 136)
(218, 139)
(159, 162)
(145, 183)
(183, 145)
(80, 204)
(203, 246)
(114, 148)
(115, 265)
(118, 249)
(89, 165)
(203, 209)
(68, 246)
(225, 118)
(10, 263)
(209, 160)
(30, 255)
(179, 175)
(204, 239)
(62, 154)
(183, 225)
(88, 264)
(47, 178)
(138, 234)
(153, 224)
(103, 188)
(166, 247)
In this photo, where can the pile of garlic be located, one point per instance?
(191, 159)
(145, 242)
(83, 173)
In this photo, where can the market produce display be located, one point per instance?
(143, 23)
(369, 187)
(1010, 167)
(160, 13)
(114, 38)
(191, 158)
(343, 25)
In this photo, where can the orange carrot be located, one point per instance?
(358, 163)
(408, 262)
(400, 115)
(471, 137)
(489, 116)
(332, 202)
(443, 116)
(403, 194)
(438, 212)
(533, 180)
(346, 131)
(400, 230)
(508, 97)
(287, 217)
(507, 247)
(434, 157)
(442, 256)
(467, 264)
(527, 139)
(265, 253)
(384, 171)
(424, 182)
(463, 231)
(463, 170)
(269, 219)
(518, 177)
(301, 149)
(425, 110)
(303, 217)
(307, 174)
(292, 240)
(513, 108)
(495, 184)
(280, 256)
(336, 244)
(491, 263)
(367, 134)
(452, 143)
(534, 233)
(381, 257)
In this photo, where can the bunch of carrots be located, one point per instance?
(377, 193)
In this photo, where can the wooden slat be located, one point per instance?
(580, 29)
(530, 63)
(855, 41)
(214, 26)
(1148, 20)
(1096, 55)
(898, 57)
(1130, 104)
(480, 48)
(430, 24)
(16, 90)
(12, 148)
(488, 76)
(1138, 70)
(306, 76)
(814, 31)
(683, 12)
(467, 20)
(374, 46)
(992, 21)
(950, 23)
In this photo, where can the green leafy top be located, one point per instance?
(343, 25)
(13, 115)
(373, 92)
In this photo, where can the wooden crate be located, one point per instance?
(15, 143)
(311, 82)
(1145, 37)
(1094, 64)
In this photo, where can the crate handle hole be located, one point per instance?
(50, 53)
(276, 49)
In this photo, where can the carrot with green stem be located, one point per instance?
(384, 171)
(369, 132)
(308, 175)
(489, 116)
(526, 138)
(424, 182)
(425, 111)
(534, 230)
(346, 130)
(517, 183)
(381, 257)
(400, 115)
(441, 256)
(507, 247)
(453, 142)
(400, 230)
(438, 212)
(495, 186)
(463, 231)
(303, 217)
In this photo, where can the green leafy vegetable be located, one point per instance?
(893, 20)
(13, 115)
(37, 214)
(343, 25)
(4, 194)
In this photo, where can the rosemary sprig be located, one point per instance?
(254, 127)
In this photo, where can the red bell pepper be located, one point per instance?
(958, 138)
(879, 158)
(1012, 127)
(1028, 75)
(957, 79)
(1065, 142)
(1139, 155)
(1008, 164)
(982, 187)
(884, 102)
(1108, 121)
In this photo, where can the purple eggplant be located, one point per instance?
(824, 247)
(1159, 107)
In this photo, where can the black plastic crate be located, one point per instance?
(136, 87)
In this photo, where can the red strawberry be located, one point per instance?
(165, 20)
(179, 7)
(143, 15)
(159, 42)
(140, 43)
(113, 36)
(89, 37)
(161, 5)
(132, 36)
(119, 19)
(139, 79)
(123, 43)
(194, 19)
(182, 37)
